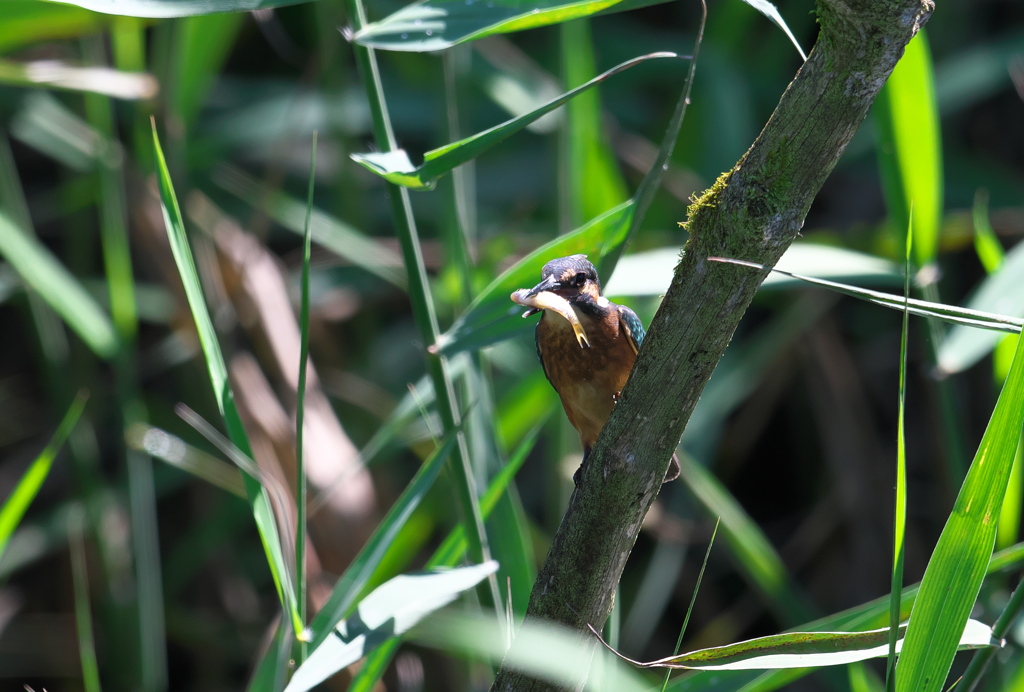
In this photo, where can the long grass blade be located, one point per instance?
(270, 672)
(808, 649)
(217, 370)
(25, 491)
(201, 46)
(300, 410)
(592, 182)
(648, 187)
(998, 292)
(395, 166)
(439, 24)
(756, 556)
(649, 272)
(1002, 627)
(349, 587)
(423, 308)
(171, 449)
(83, 612)
(391, 609)
(910, 148)
(873, 614)
(771, 12)
(43, 273)
(923, 308)
(899, 522)
(693, 600)
(117, 265)
(451, 551)
(29, 22)
(987, 246)
(955, 571)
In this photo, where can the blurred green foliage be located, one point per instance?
(794, 442)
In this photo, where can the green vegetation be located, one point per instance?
(185, 504)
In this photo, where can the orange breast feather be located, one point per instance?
(586, 379)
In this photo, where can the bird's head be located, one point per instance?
(573, 277)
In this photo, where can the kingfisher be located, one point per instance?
(587, 344)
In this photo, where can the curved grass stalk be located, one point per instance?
(423, 308)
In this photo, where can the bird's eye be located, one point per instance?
(579, 280)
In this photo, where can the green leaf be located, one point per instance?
(508, 529)
(270, 672)
(986, 244)
(910, 148)
(351, 583)
(257, 493)
(998, 292)
(448, 554)
(455, 545)
(43, 273)
(958, 564)
(83, 613)
(438, 24)
(588, 164)
(858, 618)
(389, 610)
(395, 166)
(17, 503)
(202, 46)
(161, 9)
(493, 317)
(899, 523)
(301, 488)
(693, 600)
(29, 21)
(808, 650)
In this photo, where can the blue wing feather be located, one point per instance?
(631, 326)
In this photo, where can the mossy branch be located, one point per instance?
(753, 212)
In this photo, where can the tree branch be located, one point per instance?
(752, 212)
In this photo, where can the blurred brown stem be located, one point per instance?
(753, 212)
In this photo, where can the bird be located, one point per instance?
(587, 345)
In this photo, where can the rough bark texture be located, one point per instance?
(753, 212)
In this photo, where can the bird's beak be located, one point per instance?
(548, 284)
